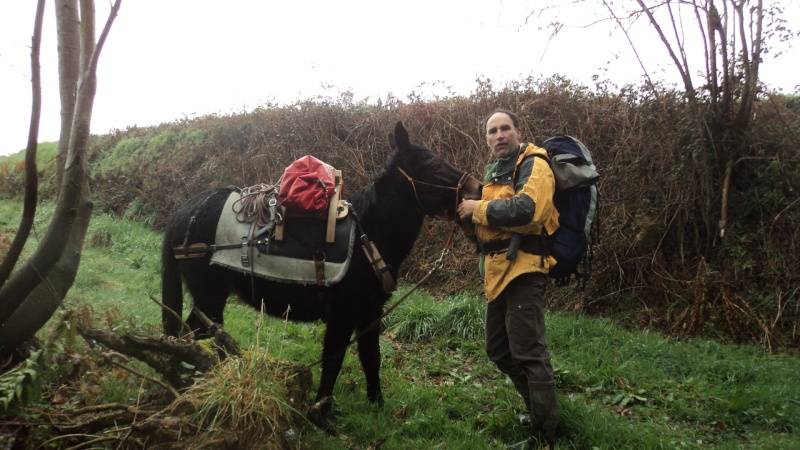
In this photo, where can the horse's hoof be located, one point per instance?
(376, 399)
(321, 414)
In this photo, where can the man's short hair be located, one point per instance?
(514, 118)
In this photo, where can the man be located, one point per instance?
(510, 221)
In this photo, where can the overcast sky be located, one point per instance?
(169, 59)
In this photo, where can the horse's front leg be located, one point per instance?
(369, 353)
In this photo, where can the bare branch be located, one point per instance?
(687, 81)
(31, 172)
(630, 42)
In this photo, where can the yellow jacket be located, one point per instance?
(514, 203)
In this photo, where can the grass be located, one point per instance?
(617, 388)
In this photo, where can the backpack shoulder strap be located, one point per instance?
(528, 158)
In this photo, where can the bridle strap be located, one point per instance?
(414, 182)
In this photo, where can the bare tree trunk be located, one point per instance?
(30, 297)
(70, 61)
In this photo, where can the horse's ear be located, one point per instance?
(392, 142)
(401, 137)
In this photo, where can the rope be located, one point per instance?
(254, 204)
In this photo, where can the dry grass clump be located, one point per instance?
(244, 403)
(261, 399)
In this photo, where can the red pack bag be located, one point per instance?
(307, 185)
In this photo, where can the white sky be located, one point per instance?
(169, 59)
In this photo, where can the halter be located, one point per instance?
(413, 182)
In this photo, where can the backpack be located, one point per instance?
(576, 200)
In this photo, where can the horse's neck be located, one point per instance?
(392, 221)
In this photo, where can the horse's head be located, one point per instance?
(436, 184)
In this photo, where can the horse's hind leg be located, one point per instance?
(337, 337)
(369, 353)
(334, 347)
(210, 293)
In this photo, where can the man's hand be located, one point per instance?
(465, 209)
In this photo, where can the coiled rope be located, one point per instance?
(254, 204)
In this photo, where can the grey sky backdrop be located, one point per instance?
(169, 59)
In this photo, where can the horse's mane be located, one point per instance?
(367, 196)
(364, 199)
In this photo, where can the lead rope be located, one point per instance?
(438, 264)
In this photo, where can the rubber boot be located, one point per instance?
(544, 417)
(521, 384)
(544, 412)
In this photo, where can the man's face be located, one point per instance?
(501, 135)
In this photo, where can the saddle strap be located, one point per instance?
(320, 266)
(381, 269)
(245, 242)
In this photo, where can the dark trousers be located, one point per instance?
(515, 334)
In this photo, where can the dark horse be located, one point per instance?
(415, 183)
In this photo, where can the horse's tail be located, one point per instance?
(171, 288)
